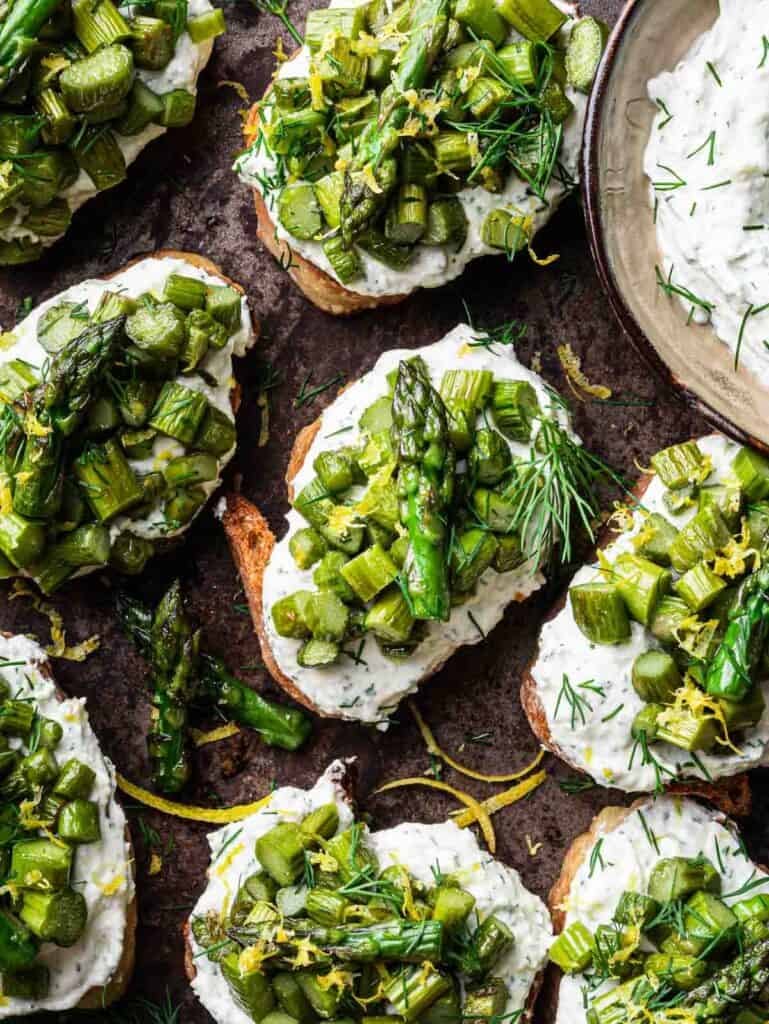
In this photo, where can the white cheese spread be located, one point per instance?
(597, 738)
(369, 692)
(147, 275)
(431, 266)
(419, 848)
(102, 871)
(708, 164)
(181, 72)
(680, 828)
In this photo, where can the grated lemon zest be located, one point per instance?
(475, 809)
(239, 88)
(690, 697)
(317, 99)
(336, 978)
(215, 816)
(156, 864)
(223, 867)
(504, 799)
(433, 748)
(571, 365)
(531, 846)
(732, 561)
(622, 518)
(369, 180)
(114, 885)
(58, 647)
(279, 53)
(365, 45)
(542, 261)
(324, 861)
(33, 426)
(223, 732)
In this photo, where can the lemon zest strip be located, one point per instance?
(475, 810)
(213, 815)
(504, 799)
(433, 748)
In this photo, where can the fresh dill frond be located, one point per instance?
(554, 491)
(279, 9)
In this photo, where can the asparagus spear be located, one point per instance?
(277, 725)
(359, 202)
(730, 674)
(174, 654)
(18, 35)
(54, 410)
(426, 462)
(737, 983)
(396, 940)
(73, 373)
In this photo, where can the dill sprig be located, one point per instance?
(578, 704)
(576, 784)
(669, 287)
(278, 9)
(554, 491)
(520, 130)
(306, 395)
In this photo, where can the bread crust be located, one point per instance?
(321, 289)
(104, 995)
(731, 794)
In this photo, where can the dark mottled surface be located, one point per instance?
(181, 194)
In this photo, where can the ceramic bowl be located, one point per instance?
(652, 36)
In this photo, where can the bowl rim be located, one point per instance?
(590, 173)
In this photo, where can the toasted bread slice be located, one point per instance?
(608, 821)
(344, 776)
(731, 793)
(321, 289)
(104, 995)
(253, 546)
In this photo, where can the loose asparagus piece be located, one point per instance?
(730, 674)
(277, 725)
(426, 463)
(174, 653)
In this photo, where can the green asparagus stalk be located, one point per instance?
(174, 654)
(730, 674)
(278, 726)
(74, 373)
(396, 940)
(18, 35)
(426, 462)
(740, 981)
(427, 33)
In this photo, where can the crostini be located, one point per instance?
(650, 669)
(427, 497)
(662, 917)
(116, 405)
(308, 914)
(68, 914)
(403, 141)
(83, 89)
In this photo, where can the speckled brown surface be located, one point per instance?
(181, 194)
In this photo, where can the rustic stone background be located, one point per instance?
(182, 194)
